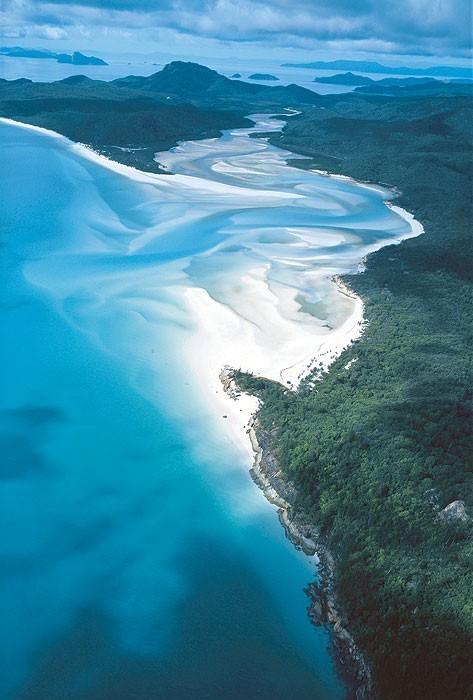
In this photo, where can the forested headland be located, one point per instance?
(381, 443)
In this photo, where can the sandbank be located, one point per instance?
(263, 329)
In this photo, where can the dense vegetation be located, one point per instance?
(132, 118)
(383, 442)
(129, 126)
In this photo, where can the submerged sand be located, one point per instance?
(269, 305)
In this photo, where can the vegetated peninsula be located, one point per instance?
(379, 446)
(375, 67)
(77, 58)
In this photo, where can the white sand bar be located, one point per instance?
(241, 249)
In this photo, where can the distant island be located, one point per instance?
(76, 58)
(344, 79)
(262, 76)
(363, 81)
(18, 52)
(375, 67)
(236, 75)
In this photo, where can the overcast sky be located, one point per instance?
(440, 28)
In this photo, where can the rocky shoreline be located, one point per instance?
(324, 609)
(343, 287)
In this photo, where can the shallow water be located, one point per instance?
(139, 560)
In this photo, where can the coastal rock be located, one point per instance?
(343, 287)
(323, 609)
(297, 533)
(271, 467)
(228, 383)
(455, 512)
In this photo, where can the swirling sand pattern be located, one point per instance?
(139, 559)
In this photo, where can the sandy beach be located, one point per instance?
(256, 322)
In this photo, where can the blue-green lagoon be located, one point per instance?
(139, 560)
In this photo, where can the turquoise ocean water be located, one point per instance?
(138, 559)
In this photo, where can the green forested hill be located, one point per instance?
(130, 119)
(110, 119)
(378, 449)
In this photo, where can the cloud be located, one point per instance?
(49, 32)
(36, 31)
(418, 26)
